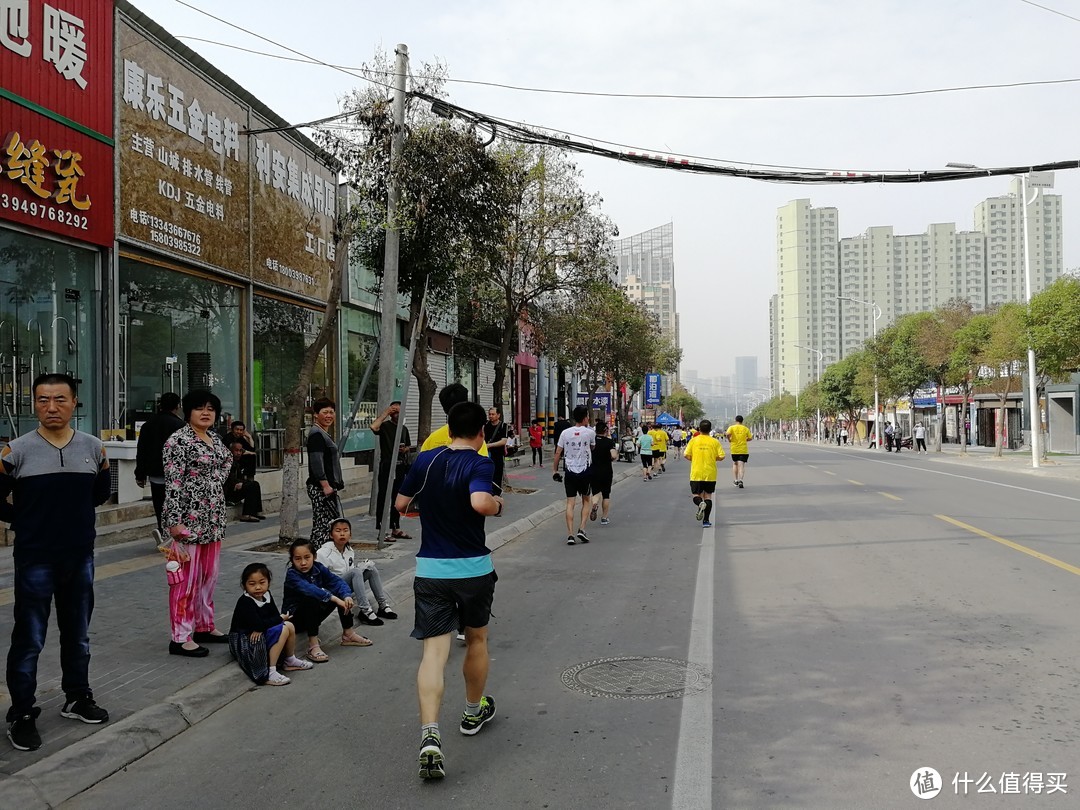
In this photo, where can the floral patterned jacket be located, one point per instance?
(194, 475)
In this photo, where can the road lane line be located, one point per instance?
(893, 497)
(692, 786)
(1064, 566)
(856, 483)
(828, 472)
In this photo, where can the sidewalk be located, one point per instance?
(1019, 461)
(152, 696)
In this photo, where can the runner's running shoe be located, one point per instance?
(431, 758)
(472, 723)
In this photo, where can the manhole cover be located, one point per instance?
(637, 678)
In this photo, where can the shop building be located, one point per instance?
(56, 202)
(224, 239)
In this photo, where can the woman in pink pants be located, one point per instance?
(196, 466)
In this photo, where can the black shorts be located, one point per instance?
(577, 483)
(743, 457)
(443, 605)
(659, 455)
(601, 483)
(646, 459)
(700, 487)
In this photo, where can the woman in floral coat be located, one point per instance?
(196, 465)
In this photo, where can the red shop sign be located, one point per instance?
(54, 178)
(58, 55)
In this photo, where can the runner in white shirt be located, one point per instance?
(576, 444)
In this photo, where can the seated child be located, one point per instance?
(311, 593)
(338, 557)
(259, 634)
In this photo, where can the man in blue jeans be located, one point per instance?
(56, 476)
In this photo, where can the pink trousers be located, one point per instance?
(191, 601)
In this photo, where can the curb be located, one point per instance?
(77, 768)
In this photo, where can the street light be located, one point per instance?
(877, 314)
(1035, 180)
(820, 355)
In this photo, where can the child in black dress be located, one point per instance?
(260, 634)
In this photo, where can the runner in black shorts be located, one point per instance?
(603, 454)
(576, 443)
(455, 579)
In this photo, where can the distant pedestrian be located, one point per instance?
(561, 424)
(659, 453)
(496, 436)
(393, 464)
(325, 479)
(261, 636)
(738, 435)
(148, 459)
(196, 466)
(703, 451)
(56, 476)
(455, 579)
(602, 475)
(888, 437)
(844, 435)
(536, 443)
(919, 433)
(576, 445)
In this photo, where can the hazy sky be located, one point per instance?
(724, 229)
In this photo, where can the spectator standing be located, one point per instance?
(56, 476)
(496, 434)
(196, 466)
(455, 579)
(325, 479)
(536, 443)
(148, 460)
(392, 467)
(919, 434)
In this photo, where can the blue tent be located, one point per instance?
(666, 418)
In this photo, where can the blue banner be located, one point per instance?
(652, 389)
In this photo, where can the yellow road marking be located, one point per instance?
(893, 497)
(1064, 566)
(856, 483)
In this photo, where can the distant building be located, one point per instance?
(900, 273)
(646, 271)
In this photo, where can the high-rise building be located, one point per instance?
(746, 376)
(646, 272)
(899, 273)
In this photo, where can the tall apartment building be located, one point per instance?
(900, 273)
(1001, 220)
(805, 310)
(646, 272)
(746, 376)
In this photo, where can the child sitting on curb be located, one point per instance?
(260, 635)
(311, 594)
(339, 559)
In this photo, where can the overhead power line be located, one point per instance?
(1052, 10)
(353, 71)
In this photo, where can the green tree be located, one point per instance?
(842, 393)
(935, 338)
(682, 401)
(1053, 323)
(1000, 358)
(901, 367)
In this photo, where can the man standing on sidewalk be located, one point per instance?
(149, 464)
(576, 443)
(391, 467)
(703, 451)
(56, 476)
(455, 579)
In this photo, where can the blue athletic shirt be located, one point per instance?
(453, 542)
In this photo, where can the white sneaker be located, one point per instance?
(701, 510)
(277, 679)
(461, 637)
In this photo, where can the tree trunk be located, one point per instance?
(999, 429)
(964, 389)
(425, 383)
(502, 363)
(296, 400)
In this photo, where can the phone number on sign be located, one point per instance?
(50, 212)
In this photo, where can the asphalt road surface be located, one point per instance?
(851, 619)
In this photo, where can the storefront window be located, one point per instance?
(281, 332)
(48, 323)
(177, 333)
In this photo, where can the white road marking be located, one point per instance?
(692, 787)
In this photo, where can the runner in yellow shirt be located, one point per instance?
(738, 435)
(659, 449)
(703, 451)
(449, 396)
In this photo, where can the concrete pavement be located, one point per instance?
(152, 697)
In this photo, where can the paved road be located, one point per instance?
(856, 616)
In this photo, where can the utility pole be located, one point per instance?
(388, 325)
